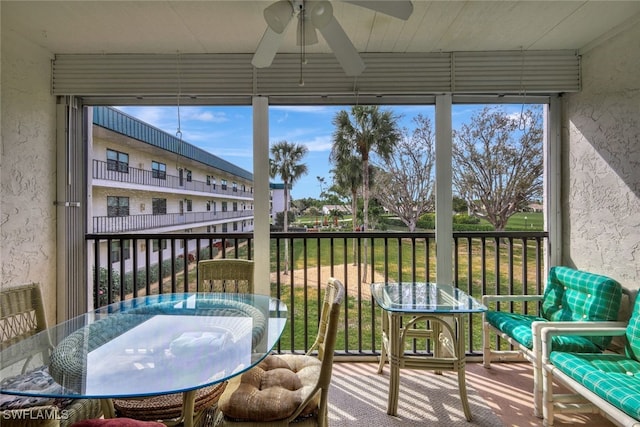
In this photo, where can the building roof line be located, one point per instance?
(120, 122)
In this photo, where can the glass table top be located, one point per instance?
(421, 297)
(146, 346)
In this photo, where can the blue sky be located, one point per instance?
(227, 131)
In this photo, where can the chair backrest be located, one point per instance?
(632, 343)
(328, 329)
(575, 295)
(225, 275)
(21, 313)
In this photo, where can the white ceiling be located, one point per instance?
(237, 26)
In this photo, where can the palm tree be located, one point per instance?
(366, 130)
(347, 178)
(314, 211)
(285, 162)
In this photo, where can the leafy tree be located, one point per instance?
(305, 203)
(321, 182)
(460, 204)
(406, 179)
(286, 162)
(367, 129)
(498, 163)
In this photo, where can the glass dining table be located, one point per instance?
(147, 346)
(429, 311)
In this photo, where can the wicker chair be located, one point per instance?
(215, 275)
(225, 275)
(22, 315)
(272, 402)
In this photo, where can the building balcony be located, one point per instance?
(147, 180)
(484, 263)
(165, 222)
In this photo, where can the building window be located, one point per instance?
(189, 175)
(235, 206)
(208, 206)
(235, 226)
(115, 250)
(244, 188)
(158, 170)
(117, 161)
(224, 206)
(189, 205)
(159, 206)
(224, 228)
(223, 184)
(235, 187)
(117, 206)
(157, 244)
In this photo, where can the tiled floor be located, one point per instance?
(508, 389)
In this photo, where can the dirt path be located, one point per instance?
(350, 282)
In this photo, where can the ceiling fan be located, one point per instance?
(318, 15)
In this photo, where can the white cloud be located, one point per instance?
(155, 116)
(304, 109)
(207, 116)
(319, 143)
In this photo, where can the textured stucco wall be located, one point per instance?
(601, 159)
(28, 172)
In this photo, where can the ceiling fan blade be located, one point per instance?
(267, 48)
(342, 48)
(401, 9)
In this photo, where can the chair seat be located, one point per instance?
(168, 406)
(273, 389)
(613, 377)
(518, 327)
(73, 409)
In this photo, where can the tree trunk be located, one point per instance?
(365, 213)
(354, 224)
(286, 228)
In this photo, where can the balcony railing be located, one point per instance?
(124, 224)
(484, 263)
(163, 180)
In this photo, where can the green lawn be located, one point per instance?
(521, 221)
(396, 255)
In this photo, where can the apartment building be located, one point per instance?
(144, 180)
(277, 202)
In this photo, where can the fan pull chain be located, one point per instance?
(179, 130)
(523, 91)
(303, 42)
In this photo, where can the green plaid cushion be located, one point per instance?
(633, 332)
(518, 327)
(581, 296)
(613, 377)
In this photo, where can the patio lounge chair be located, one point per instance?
(607, 382)
(570, 296)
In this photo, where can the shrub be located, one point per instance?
(465, 219)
